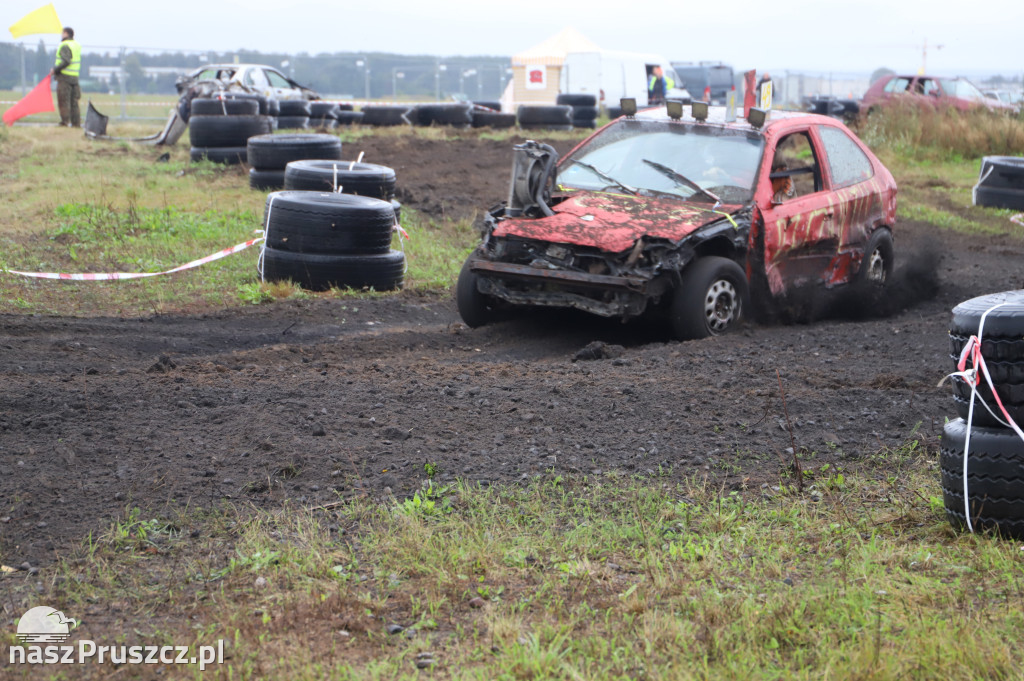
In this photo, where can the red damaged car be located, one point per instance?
(684, 216)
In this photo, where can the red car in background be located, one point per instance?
(930, 91)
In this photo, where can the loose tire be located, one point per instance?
(225, 131)
(492, 119)
(319, 272)
(995, 478)
(544, 116)
(475, 308)
(264, 179)
(459, 115)
(350, 117)
(710, 300)
(225, 155)
(387, 115)
(317, 222)
(364, 179)
(277, 151)
(999, 197)
(225, 107)
(576, 99)
(266, 106)
(292, 122)
(295, 107)
(877, 265)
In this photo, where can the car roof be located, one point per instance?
(716, 118)
(236, 67)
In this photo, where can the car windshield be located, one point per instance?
(667, 158)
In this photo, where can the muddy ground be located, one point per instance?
(308, 400)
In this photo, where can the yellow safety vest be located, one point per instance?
(75, 66)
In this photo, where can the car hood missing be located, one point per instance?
(614, 222)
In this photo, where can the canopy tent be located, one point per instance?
(537, 71)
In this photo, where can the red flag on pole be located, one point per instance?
(749, 85)
(39, 100)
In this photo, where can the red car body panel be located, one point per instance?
(820, 236)
(614, 222)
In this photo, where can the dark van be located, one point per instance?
(697, 77)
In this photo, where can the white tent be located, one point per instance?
(536, 72)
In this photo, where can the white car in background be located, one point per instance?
(257, 78)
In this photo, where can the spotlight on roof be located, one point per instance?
(699, 110)
(757, 117)
(628, 105)
(674, 107)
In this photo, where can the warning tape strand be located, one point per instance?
(116, 276)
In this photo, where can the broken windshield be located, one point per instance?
(722, 161)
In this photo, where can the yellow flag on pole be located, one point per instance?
(42, 20)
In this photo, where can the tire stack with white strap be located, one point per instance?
(269, 155)
(294, 114)
(332, 227)
(219, 129)
(982, 457)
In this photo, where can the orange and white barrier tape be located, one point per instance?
(115, 276)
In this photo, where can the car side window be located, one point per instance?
(256, 78)
(794, 171)
(848, 164)
(928, 86)
(277, 80)
(897, 85)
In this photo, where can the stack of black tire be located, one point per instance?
(294, 114)
(1000, 183)
(995, 458)
(362, 179)
(322, 240)
(584, 109)
(384, 115)
(219, 129)
(269, 155)
(544, 117)
(455, 114)
(347, 115)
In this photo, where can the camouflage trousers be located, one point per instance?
(68, 94)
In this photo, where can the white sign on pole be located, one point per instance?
(766, 95)
(730, 107)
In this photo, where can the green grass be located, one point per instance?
(859, 577)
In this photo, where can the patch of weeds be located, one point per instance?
(254, 293)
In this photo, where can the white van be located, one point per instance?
(614, 75)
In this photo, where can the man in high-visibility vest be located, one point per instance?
(658, 86)
(66, 70)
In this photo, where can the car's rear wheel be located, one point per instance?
(710, 299)
(876, 268)
(475, 308)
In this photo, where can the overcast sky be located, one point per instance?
(799, 35)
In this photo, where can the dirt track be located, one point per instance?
(311, 399)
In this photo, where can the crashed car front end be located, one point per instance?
(517, 265)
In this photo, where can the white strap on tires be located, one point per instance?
(263, 246)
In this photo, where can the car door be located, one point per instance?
(801, 235)
(281, 87)
(257, 80)
(858, 200)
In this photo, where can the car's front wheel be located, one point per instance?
(475, 308)
(710, 299)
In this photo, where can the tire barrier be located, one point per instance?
(1000, 183)
(362, 179)
(225, 107)
(323, 115)
(584, 109)
(218, 137)
(269, 155)
(388, 115)
(558, 117)
(322, 240)
(493, 119)
(458, 115)
(982, 457)
(349, 117)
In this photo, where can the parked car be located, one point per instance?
(684, 217)
(930, 91)
(716, 76)
(256, 78)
